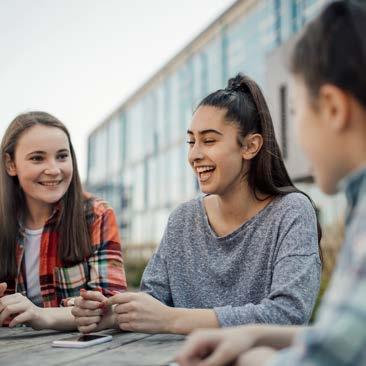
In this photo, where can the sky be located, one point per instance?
(80, 59)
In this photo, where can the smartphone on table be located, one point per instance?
(82, 340)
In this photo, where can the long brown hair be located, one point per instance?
(246, 106)
(74, 237)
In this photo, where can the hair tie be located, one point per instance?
(238, 84)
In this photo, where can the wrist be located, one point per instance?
(255, 333)
(184, 321)
(43, 319)
(170, 322)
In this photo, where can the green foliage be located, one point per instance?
(331, 244)
(323, 287)
(134, 270)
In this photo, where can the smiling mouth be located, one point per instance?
(204, 172)
(53, 183)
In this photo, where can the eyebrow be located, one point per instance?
(40, 152)
(203, 132)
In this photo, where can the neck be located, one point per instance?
(353, 140)
(36, 215)
(239, 204)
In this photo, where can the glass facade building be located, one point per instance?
(137, 157)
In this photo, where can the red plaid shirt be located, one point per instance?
(102, 271)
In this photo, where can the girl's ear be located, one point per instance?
(251, 145)
(10, 166)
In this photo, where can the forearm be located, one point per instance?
(277, 337)
(258, 356)
(184, 321)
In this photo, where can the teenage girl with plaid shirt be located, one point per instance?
(55, 240)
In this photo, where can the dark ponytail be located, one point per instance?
(246, 107)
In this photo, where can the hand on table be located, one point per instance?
(216, 347)
(89, 310)
(140, 312)
(20, 310)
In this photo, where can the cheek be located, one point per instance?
(69, 170)
(306, 135)
(231, 163)
(26, 174)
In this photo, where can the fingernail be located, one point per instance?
(102, 305)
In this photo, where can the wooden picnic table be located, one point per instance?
(25, 346)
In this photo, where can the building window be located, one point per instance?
(283, 119)
(278, 24)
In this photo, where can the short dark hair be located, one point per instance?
(332, 50)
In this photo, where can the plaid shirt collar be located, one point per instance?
(354, 186)
(55, 215)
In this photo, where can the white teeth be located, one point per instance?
(49, 184)
(202, 169)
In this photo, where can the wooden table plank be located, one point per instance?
(26, 347)
(156, 350)
(12, 340)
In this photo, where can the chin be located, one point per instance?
(205, 191)
(327, 187)
(53, 199)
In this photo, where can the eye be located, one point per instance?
(190, 142)
(37, 158)
(63, 156)
(209, 141)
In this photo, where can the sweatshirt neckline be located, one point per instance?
(209, 230)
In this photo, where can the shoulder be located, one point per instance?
(294, 203)
(186, 210)
(95, 207)
(185, 215)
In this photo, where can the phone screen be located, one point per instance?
(89, 337)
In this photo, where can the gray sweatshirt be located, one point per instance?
(266, 271)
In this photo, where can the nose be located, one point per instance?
(195, 153)
(52, 168)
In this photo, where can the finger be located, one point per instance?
(11, 310)
(124, 308)
(88, 328)
(197, 347)
(83, 321)
(87, 304)
(22, 318)
(125, 318)
(3, 287)
(122, 298)
(92, 295)
(126, 327)
(78, 312)
(223, 354)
